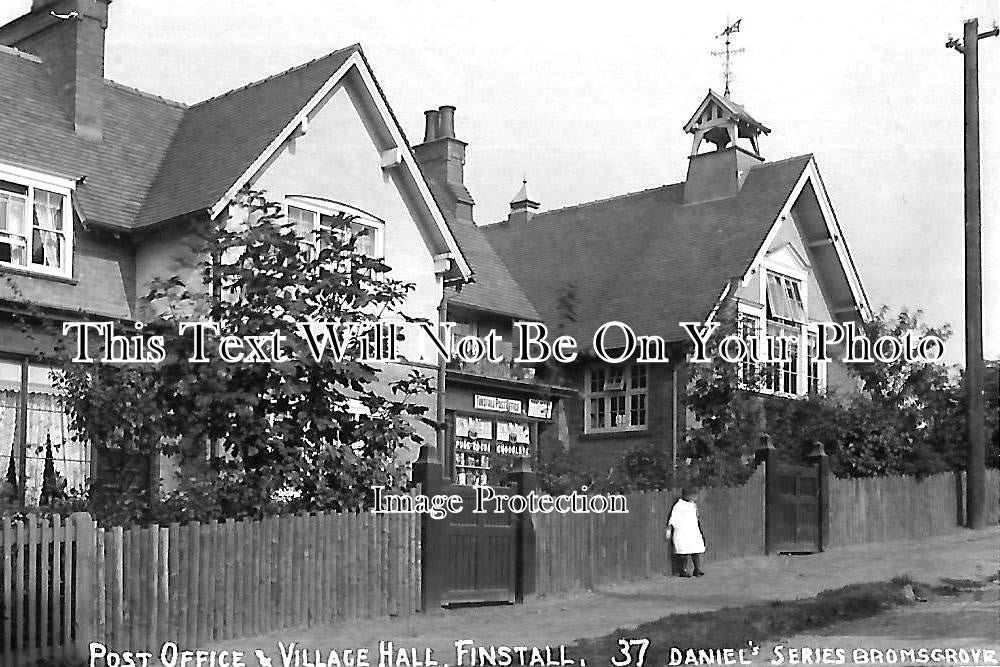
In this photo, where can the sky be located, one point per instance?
(587, 100)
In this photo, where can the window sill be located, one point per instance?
(28, 273)
(608, 435)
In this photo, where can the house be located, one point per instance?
(756, 237)
(496, 411)
(116, 180)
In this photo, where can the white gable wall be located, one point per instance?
(337, 160)
(818, 307)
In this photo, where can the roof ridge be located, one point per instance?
(143, 93)
(19, 53)
(355, 46)
(781, 161)
(600, 201)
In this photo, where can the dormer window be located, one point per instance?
(36, 226)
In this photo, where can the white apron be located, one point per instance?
(686, 533)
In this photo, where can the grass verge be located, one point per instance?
(734, 627)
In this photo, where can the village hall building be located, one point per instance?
(741, 235)
(102, 185)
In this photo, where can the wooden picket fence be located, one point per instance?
(879, 509)
(580, 551)
(69, 583)
(43, 573)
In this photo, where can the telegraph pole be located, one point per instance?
(975, 477)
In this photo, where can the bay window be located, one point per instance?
(783, 315)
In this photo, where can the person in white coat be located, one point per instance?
(685, 533)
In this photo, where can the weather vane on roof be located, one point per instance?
(728, 53)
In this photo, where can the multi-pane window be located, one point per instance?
(35, 228)
(815, 380)
(616, 398)
(364, 231)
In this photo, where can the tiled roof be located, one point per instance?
(493, 289)
(36, 133)
(218, 139)
(98, 289)
(644, 258)
(158, 159)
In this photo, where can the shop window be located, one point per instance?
(485, 450)
(27, 397)
(616, 398)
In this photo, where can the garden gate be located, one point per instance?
(796, 503)
(472, 557)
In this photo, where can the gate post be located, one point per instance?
(766, 455)
(822, 461)
(429, 474)
(525, 482)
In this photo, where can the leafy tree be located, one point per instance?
(907, 419)
(255, 438)
(730, 416)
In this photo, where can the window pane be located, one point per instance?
(48, 207)
(304, 222)
(46, 248)
(597, 378)
(618, 417)
(637, 415)
(615, 379)
(597, 418)
(638, 379)
(10, 399)
(364, 239)
(13, 237)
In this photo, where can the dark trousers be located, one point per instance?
(681, 560)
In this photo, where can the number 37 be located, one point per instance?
(625, 647)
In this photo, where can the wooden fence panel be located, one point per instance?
(66, 583)
(575, 551)
(878, 509)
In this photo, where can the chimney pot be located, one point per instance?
(446, 126)
(430, 125)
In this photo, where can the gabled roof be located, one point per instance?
(644, 258)
(737, 110)
(35, 132)
(218, 139)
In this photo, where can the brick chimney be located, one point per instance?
(442, 159)
(522, 207)
(68, 35)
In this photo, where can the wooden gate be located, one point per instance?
(481, 552)
(796, 502)
(470, 557)
(795, 516)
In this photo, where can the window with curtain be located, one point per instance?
(34, 429)
(35, 228)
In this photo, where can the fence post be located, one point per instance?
(524, 537)
(86, 566)
(822, 461)
(766, 455)
(429, 474)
